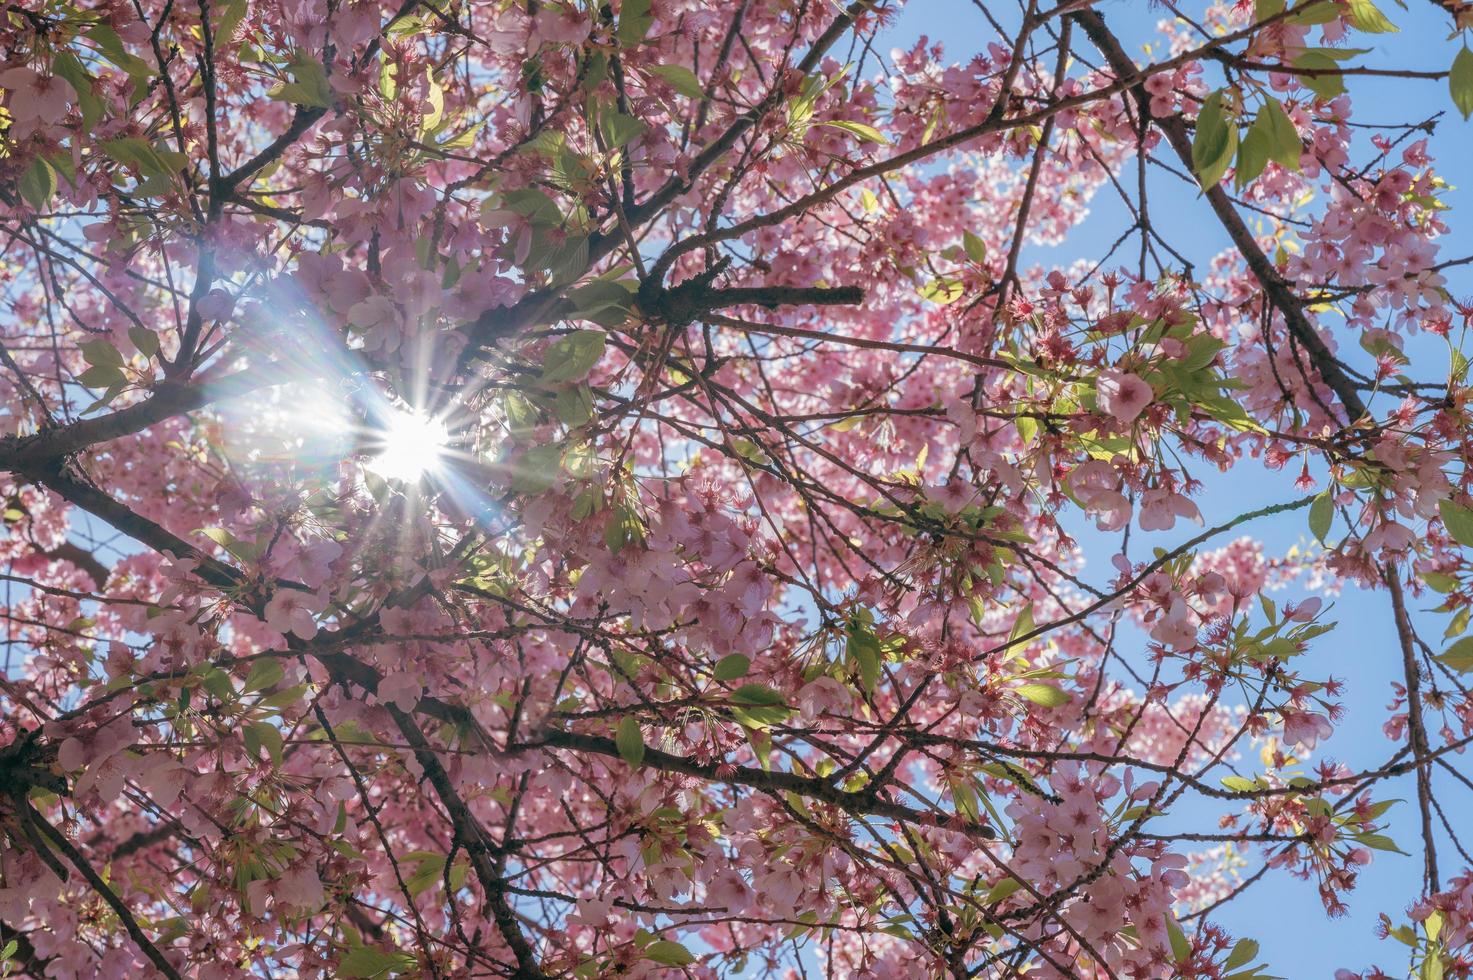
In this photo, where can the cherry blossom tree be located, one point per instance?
(572, 488)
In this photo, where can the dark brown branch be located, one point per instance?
(482, 852)
(775, 781)
(540, 307)
(689, 301)
(1416, 727)
(18, 453)
(1280, 292)
(60, 841)
(70, 551)
(63, 480)
(25, 954)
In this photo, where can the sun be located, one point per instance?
(410, 445)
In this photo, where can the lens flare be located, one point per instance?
(411, 445)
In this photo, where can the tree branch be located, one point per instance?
(1279, 291)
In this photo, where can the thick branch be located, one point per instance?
(689, 301)
(61, 480)
(19, 453)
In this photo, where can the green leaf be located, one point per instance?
(568, 261)
(101, 376)
(619, 129)
(680, 78)
(1023, 625)
(38, 184)
(537, 208)
(1440, 581)
(1321, 516)
(264, 673)
(975, 247)
(630, 741)
(1283, 139)
(1181, 948)
(536, 469)
(863, 650)
(1244, 951)
(731, 667)
(308, 86)
(635, 20)
(1458, 520)
(1460, 82)
(218, 683)
(1366, 16)
(230, 19)
(943, 291)
(429, 868)
(1326, 86)
(966, 799)
(1341, 54)
(146, 341)
(1404, 934)
(252, 742)
(603, 301)
(623, 527)
(158, 166)
(522, 414)
(868, 133)
(669, 953)
(368, 963)
(1002, 890)
(1459, 623)
(1215, 142)
(243, 550)
(259, 734)
(573, 406)
(758, 706)
(571, 357)
(1239, 784)
(1312, 12)
(757, 695)
(1044, 694)
(1202, 350)
(1379, 842)
(101, 353)
(750, 451)
(111, 46)
(1459, 656)
(69, 67)
(285, 697)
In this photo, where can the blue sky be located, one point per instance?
(1284, 914)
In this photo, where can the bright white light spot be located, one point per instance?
(412, 445)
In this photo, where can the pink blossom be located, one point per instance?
(35, 98)
(300, 886)
(293, 611)
(562, 25)
(1305, 729)
(1161, 507)
(1122, 395)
